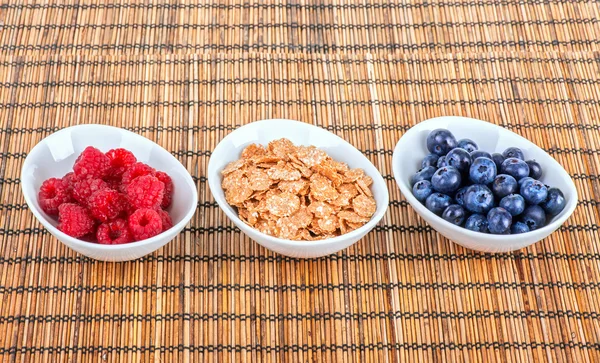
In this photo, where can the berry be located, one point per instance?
(83, 189)
(459, 197)
(135, 170)
(120, 161)
(480, 154)
(167, 223)
(74, 220)
(91, 163)
(535, 169)
(477, 223)
(478, 199)
(554, 203)
(145, 223)
(168, 194)
(524, 181)
(429, 160)
(517, 168)
(446, 180)
(504, 185)
(423, 174)
(534, 217)
(514, 204)
(438, 202)
(422, 189)
(68, 182)
(115, 232)
(52, 195)
(454, 214)
(499, 221)
(513, 152)
(482, 171)
(459, 158)
(106, 204)
(534, 192)
(442, 162)
(498, 159)
(145, 192)
(440, 142)
(467, 144)
(519, 227)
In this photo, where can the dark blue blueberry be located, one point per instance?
(478, 199)
(554, 203)
(480, 154)
(517, 168)
(438, 202)
(440, 142)
(518, 228)
(534, 192)
(504, 185)
(482, 171)
(459, 197)
(513, 152)
(422, 189)
(499, 221)
(477, 223)
(429, 160)
(534, 217)
(524, 181)
(459, 158)
(467, 144)
(423, 174)
(446, 180)
(514, 204)
(535, 169)
(498, 160)
(441, 162)
(454, 214)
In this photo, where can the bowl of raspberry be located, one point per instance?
(480, 185)
(107, 193)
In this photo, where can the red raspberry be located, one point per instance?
(134, 171)
(68, 181)
(167, 223)
(106, 204)
(74, 220)
(114, 232)
(52, 194)
(145, 223)
(83, 189)
(120, 161)
(92, 163)
(145, 192)
(168, 195)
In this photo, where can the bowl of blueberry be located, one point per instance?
(480, 185)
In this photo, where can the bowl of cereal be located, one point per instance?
(295, 188)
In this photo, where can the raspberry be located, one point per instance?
(106, 204)
(52, 194)
(120, 161)
(83, 189)
(92, 163)
(145, 192)
(114, 233)
(168, 194)
(145, 223)
(68, 181)
(167, 223)
(134, 171)
(74, 220)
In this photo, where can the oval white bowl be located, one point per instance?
(262, 132)
(411, 149)
(54, 157)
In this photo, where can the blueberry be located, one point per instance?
(498, 160)
(440, 142)
(534, 192)
(477, 223)
(429, 160)
(438, 202)
(519, 227)
(554, 203)
(467, 144)
(422, 189)
(454, 214)
(535, 169)
(513, 152)
(459, 197)
(482, 171)
(446, 180)
(441, 162)
(524, 181)
(478, 199)
(480, 154)
(514, 204)
(499, 221)
(424, 174)
(517, 168)
(534, 217)
(459, 158)
(504, 185)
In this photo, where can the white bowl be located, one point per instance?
(411, 149)
(262, 132)
(54, 157)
